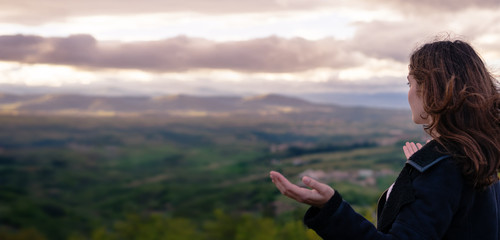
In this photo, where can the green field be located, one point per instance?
(174, 178)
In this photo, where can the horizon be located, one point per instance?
(378, 100)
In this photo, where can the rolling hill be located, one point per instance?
(270, 105)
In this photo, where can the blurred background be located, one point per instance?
(162, 119)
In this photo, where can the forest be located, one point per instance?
(107, 178)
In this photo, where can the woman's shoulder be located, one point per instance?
(430, 155)
(436, 169)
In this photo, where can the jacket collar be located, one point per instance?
(430, 154)
(402, 192)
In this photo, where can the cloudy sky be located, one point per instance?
(229, 47)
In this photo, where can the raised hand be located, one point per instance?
(410, 148)
(317, 196)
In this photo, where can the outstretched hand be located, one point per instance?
(320, 193)
(317, 196)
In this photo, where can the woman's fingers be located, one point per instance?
(419, 146)
(321, 188)
(407, 152)
(410, 148)
(276, 178)
(286, 187)
(318, 196)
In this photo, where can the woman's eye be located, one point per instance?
(408, 83)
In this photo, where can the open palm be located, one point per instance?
(317, 196)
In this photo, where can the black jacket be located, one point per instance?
(430, 200)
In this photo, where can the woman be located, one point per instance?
(449, 188)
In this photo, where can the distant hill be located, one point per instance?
(378, 100)
(187, 105)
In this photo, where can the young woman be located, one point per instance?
(448, 188)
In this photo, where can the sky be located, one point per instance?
(230, 47)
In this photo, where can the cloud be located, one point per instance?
(271, 54)
(373, 76)
(74, 50)
(397, 39)
(248, 85)
(42, 11)
(439, 6)
(390, 40)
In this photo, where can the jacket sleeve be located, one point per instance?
(437, 196)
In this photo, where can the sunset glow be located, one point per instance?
(221, 48)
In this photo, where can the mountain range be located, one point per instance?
(185, 105)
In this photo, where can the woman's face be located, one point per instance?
(419, 116)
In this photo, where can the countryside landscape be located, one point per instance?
(77, 167)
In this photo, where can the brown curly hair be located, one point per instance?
(462, 100)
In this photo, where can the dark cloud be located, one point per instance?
(270, 54)
(74, 50)
(19, 48)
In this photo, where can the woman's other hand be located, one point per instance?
(317, 196)
(410, 148)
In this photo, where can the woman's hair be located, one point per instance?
(462, 99)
